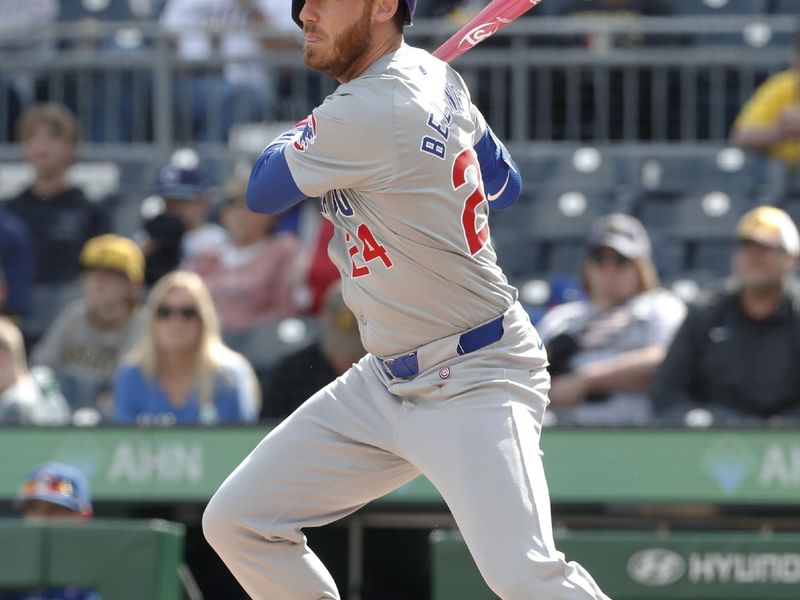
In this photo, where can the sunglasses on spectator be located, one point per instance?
(188, 313)
(601, 256)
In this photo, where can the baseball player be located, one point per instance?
(454, 384)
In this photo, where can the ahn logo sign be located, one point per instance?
(656, 567)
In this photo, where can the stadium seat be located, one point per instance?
(564, 257)
(713, 257)
(669, 255)
(586, 168)
(707, 215)
(726, 168)
(565, 215)
(518, 254)
(267, 344)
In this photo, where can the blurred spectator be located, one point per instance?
(26, 28)
(245, 91)
(179, 371)
(736, 356)
(26, 399)
(300, 375)
(60, 217)
(186, 191)
(84, 344)
(321, 273)
(251, 276)
(54, 491)
(603, 350)
(16, 264)
(770, 120)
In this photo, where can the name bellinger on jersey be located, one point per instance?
(406, 173)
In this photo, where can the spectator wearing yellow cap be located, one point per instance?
(736, 355)
(84, 344)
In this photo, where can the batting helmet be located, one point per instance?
(409, 6)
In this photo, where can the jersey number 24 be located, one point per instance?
(476, 238)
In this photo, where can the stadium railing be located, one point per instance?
(655, 79)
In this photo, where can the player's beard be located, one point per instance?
(346, 48)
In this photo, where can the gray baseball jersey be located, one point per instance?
(391, 152)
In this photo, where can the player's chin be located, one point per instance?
(312, 57)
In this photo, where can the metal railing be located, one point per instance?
(540, 80)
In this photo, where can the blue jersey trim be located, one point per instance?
(272, 189)
(502, 180)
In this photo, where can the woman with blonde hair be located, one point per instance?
(180, 371)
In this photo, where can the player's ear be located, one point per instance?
(384, 10)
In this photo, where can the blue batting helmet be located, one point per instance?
(408, 5)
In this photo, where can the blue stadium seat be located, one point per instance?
(719, 7)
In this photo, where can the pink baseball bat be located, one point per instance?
(486, 23)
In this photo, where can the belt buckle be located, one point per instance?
(386, 363)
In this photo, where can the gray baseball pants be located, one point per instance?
(473, 431)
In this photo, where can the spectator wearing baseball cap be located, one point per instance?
(180, 230)
(735, 357)
(84, 344)
(252, 276)
(301, 374)
(25, 398)
(55, 490)
(603, 350)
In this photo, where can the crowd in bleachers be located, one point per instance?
(662, 283)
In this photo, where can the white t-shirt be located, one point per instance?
(200, 240)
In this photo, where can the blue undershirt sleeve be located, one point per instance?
(272, 189)
(502, 181)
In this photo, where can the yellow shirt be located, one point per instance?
(765, 107)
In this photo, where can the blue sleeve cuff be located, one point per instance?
(272, 188)
(502, 180)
